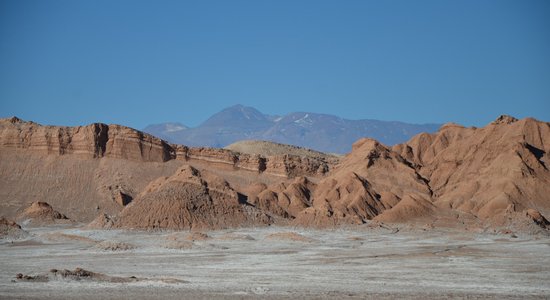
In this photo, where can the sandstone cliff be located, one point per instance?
(91, 141)
(114, 141)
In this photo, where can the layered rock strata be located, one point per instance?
(114, 141)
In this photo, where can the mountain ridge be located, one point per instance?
(317, 131)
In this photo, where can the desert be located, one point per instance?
(281, 149)
(276, 263)
(457, 213)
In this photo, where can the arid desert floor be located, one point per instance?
(275, 263)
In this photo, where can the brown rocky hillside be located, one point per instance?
(470, 177)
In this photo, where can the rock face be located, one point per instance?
(103, 221)
(92, 141)
(287, 165)
(189, 200)
(114, 141)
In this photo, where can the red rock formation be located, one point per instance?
(368, 181)
(288, 166)
(484, 170)
(293, 166)
(284, 199)
(189, 199)
(463, 173)
(92, 141)
(114, 141)
(41, 213)
(458, 175)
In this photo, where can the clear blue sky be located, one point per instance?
(141, 62)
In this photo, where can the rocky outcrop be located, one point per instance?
(213, 155)
(369, 181)
(293, 166)
(279, 165)
(286, 200)
(103, 221)
(189, 199)
(457, 174)
(482, 171)
(114, 141)
(41, 213)
(91, 141)
(537, 218)
(11, 230)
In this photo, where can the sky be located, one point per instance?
(141, 62)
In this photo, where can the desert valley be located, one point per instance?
(274, 149)
(109, 211)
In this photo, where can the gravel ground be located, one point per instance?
(262, 263)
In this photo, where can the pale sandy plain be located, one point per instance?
(354, 263)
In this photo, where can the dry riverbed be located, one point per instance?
(273, 263)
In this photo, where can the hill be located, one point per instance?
(266, 148)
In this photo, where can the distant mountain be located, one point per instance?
(164, 130)
(321, 132)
